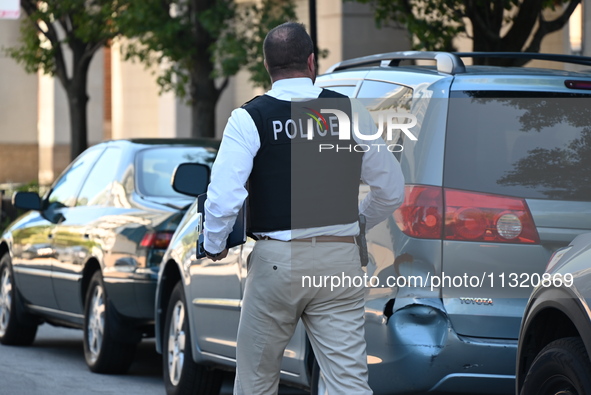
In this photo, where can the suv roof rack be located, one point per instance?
(447, 62)
(573, 59)
(451, 62)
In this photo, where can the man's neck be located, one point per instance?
(290, 76)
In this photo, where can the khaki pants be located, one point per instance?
(274, 300)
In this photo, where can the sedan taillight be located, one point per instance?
(157, 240)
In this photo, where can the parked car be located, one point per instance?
(555, 337)
(87, 254)
(490, 158)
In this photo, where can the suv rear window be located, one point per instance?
(526, 144)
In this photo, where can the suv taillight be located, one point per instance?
(469, 216)
(157, 240)
(421, 214)
(476, 216)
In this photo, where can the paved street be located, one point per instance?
(54, 365)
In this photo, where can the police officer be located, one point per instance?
(303, 209)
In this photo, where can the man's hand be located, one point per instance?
(219, 256)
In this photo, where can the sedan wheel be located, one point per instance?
(176, 343)
(96, 323)
(103, 350)
(16, 327)
(561, 368)
(182, 376)
(5, 300)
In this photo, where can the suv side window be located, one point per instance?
(65, 190)
(380, 96)
(97, 188)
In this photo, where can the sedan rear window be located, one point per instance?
(155, 167)
(531, 145)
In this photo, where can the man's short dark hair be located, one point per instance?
(287, 48)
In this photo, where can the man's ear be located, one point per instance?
(312, 64)
(268, 72)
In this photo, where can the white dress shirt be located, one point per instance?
(240, 143)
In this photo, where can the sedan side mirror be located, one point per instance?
(191, 179)
(27, 201)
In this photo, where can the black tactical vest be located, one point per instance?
(296, 182)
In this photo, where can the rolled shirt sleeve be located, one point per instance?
(227, 190)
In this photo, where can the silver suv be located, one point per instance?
(494, 160)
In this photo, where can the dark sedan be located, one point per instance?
(87, 254)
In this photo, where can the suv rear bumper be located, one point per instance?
(423, 353)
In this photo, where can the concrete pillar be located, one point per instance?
(348, 30)
(174, 117)
(330, 32)
(361, 37)
(135, 101)
(167, 115)
(18, 113)
(138, 108)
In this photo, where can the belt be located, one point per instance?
(319, 239)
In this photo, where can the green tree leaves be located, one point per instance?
(492, 25)
(60, 37)
(198, 44)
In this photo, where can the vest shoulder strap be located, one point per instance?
(251, 100)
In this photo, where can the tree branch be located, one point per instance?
(223, 86)
(523, 24)
(547, 27)
(497, 18)
(558, 23)
(459, 14)
(479, 24)
(407, 6)
(91, 48)
(30, 7)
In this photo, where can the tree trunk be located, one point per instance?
(203, 92)
(487, 30)
(78, 106)
(204, 98)
(204, 95)
(203, 118)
